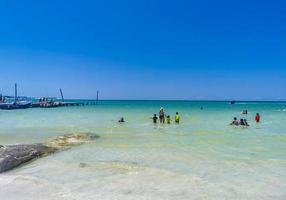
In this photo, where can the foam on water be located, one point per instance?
(202, 158)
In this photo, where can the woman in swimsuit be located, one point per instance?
(162, 116)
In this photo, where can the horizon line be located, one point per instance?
(217, 100)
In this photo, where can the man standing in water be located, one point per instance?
(162, 116)
(177, 118)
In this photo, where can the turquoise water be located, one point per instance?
(201, 158)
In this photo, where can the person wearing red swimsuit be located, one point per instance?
(257, 118)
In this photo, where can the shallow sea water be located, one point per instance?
(201, 158)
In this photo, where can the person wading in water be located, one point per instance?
(162, 116)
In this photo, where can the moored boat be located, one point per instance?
(10, 103)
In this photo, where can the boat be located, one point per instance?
(15, 105)
(11, 103)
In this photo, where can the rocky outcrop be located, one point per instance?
(12, 156)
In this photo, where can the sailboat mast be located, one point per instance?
(97, 93)
(16, 93)
(62, 95)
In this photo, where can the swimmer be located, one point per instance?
(234, 122)
(121, 120)
(257, 118)
(241, 122)
(244, 112)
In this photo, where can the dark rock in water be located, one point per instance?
(12, 156)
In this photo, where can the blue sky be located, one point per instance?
(150, 49)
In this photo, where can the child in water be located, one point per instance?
(169, 119)
(155, 118)
(177, 118)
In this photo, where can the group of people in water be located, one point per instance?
(243, 122)
(165, 118)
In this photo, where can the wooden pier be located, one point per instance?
(72, 104)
